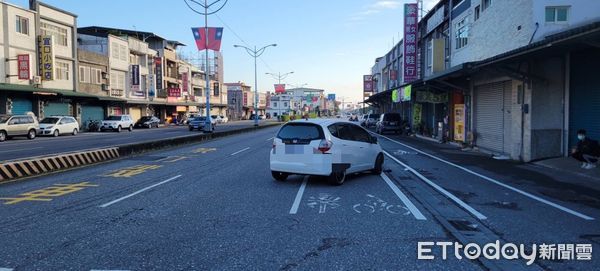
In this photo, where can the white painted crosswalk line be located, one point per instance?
(6, 269)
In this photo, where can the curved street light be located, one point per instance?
(255, 53)
(278, 76)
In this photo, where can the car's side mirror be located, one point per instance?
(373, 140)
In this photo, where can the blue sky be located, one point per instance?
(328, 44)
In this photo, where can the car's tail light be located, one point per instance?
(325, 145)
(274, 145)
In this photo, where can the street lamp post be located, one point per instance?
(255, 53)
(278, 76)
(206, 6)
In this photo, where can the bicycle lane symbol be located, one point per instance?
(375, 203)
(324, 201)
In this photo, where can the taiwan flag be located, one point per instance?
(214, 38)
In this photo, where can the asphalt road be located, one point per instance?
(214, 206)
(20, 147)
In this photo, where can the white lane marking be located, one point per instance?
(411, 207)
(17, 150)
(439, 189)
(6, 269)
(104, 270)
(296, 204)
(139, 191)
(242, 150)
(526, 194)
(271, 138)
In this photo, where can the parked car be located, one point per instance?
(389, 122)
(324, 147)
(147, 122)
(117, 123)
(224, 119)
(18, 125)
(363, 120)
(198, 123)
(372, 120)
(57, 125)
(353, 118)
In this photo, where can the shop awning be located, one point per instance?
(45, 91)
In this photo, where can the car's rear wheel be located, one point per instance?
(191, 128)
(2, 136)
(31, 134)
(279, 176)
(74, 132)
(119, 129)
(378, 167)
(337, 178)
(130, 128)
(56, 133)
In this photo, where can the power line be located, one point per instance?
(242, 40)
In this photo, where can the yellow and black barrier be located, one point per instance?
(40, 165)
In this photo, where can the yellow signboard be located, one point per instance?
(459, 122)
(417, 109)
(46, 54)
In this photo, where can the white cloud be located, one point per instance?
(387, 4)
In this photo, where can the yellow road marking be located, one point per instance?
(204, 150)
(48, 193)
(171, 159)
(132, 171)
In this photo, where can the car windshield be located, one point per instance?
(49, 120)
(3, 119)
(146, 118)
(199, 119)
(305, 131)
(374, 116)
(113, 118)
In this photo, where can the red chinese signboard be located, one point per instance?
(410, 42)
(174, 92)
(24, 68)
(185, 82)
(245, 99)
(279, 88)
(368, 83)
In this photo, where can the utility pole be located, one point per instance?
(206, 6)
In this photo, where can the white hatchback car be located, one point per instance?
(57, 125)
(117, 123)
(324, 147)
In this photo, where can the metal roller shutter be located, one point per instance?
(489, 117)
(136, 113)
(21, 106)
(56, 109)
(584, 108)
(91, 112)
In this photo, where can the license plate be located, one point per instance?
(294, 149)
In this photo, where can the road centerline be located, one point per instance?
(139, 191)
(509, 187)
(411, 207)
(242, 150)
(298, 198)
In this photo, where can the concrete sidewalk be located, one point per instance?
(570, 166)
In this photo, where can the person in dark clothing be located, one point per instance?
(587, 151)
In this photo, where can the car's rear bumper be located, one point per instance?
(318, 164)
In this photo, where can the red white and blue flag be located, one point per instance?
(214, 38)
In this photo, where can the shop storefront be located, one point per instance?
(430, 113)
(491, 116)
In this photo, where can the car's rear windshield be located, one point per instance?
(49, 120)
(113, 118)
(301, 131)
(374, 116)
(146, 118)
(392, 117)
